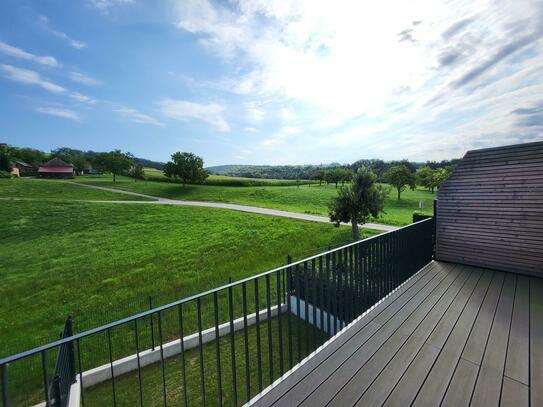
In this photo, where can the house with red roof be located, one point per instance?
(56, 168)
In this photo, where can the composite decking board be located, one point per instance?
(438, 379)
(514, 394)
(418, 355)
(536, 342)
(413, 378)
(417, 325)
(461, 386)
(517, 364)
(362, 352)
(395, 300)
(478, 337)
(489, 381)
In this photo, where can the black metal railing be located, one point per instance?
(222, 346)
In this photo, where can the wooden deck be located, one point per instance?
(452, 335)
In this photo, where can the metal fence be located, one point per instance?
(64, 375)
(224, 345)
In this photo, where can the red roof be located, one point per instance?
(58, 170)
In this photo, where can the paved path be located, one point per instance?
(154, 200)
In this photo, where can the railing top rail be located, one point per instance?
(103, 328)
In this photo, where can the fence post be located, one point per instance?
(434, 240)
(152, 327)
(57, 401)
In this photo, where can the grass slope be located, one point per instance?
(54, 190)
(312, 199)
(100, 262)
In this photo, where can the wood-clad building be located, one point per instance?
(490, 211)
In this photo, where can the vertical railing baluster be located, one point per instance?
(246, 343)
(218, 344)
(201, 349)
(306, 303)
(328, 296)
(151, 319)
(182, 354)
(340, 292)
(5, 386)
(279, 322)
(298, 312)
(138, 360)
(314, 291)
(269, 324)
(162, 364)
(289, 312)
(111, 367)
(232, 347)
(79, 364)
(258, 344)
(45, 378)
(321, 294)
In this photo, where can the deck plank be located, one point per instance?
(420, 323)
(461, 386)
(434, 388)
(514, 394)
(489, 382)
(415, 375)
(453, 335)
(536, 341)
(352, 362)
(302, 375)
(517, 365)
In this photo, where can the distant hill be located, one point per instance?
(149, 164)
(267, 171)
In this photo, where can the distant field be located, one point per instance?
(55, 190)
(223, 180)
(312, 199)
(99, 262)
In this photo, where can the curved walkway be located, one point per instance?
(253, 209)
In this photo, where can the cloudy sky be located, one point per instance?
(263, 82)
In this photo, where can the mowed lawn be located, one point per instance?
(312, 199)
(100, 262)
(41, 189)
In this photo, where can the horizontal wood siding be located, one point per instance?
(490, 211)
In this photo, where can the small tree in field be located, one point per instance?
(187, 167)
(358, 201)
(319, 176)
(400, 177)
(137, 172)
(425, 178)
(115, 162)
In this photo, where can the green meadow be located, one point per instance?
(303, 198)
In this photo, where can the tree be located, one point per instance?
(333, 176)
(358, 201)
(5, 165)
(441, 175)
(344, 175)
(115, 162)
(186, 166)
(319, 176)
(400, 177)
(425, 178)
(71, 156)
(137, 172)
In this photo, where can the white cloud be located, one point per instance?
(183, 110)
(82, 98)
(29, 77)
(137, 117)
(83, 79)
(364, 75)
(22, 54)
(60, 112)
(105, 5)
(44, 21)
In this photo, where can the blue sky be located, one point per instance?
(263, 82)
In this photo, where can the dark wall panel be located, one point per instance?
(490, 211)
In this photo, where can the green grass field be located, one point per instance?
(127, 386)
(99, 262)
(41, 189)
(312, 199)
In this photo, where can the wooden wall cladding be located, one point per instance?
(490, 211)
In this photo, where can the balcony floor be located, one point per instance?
(452, 335)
